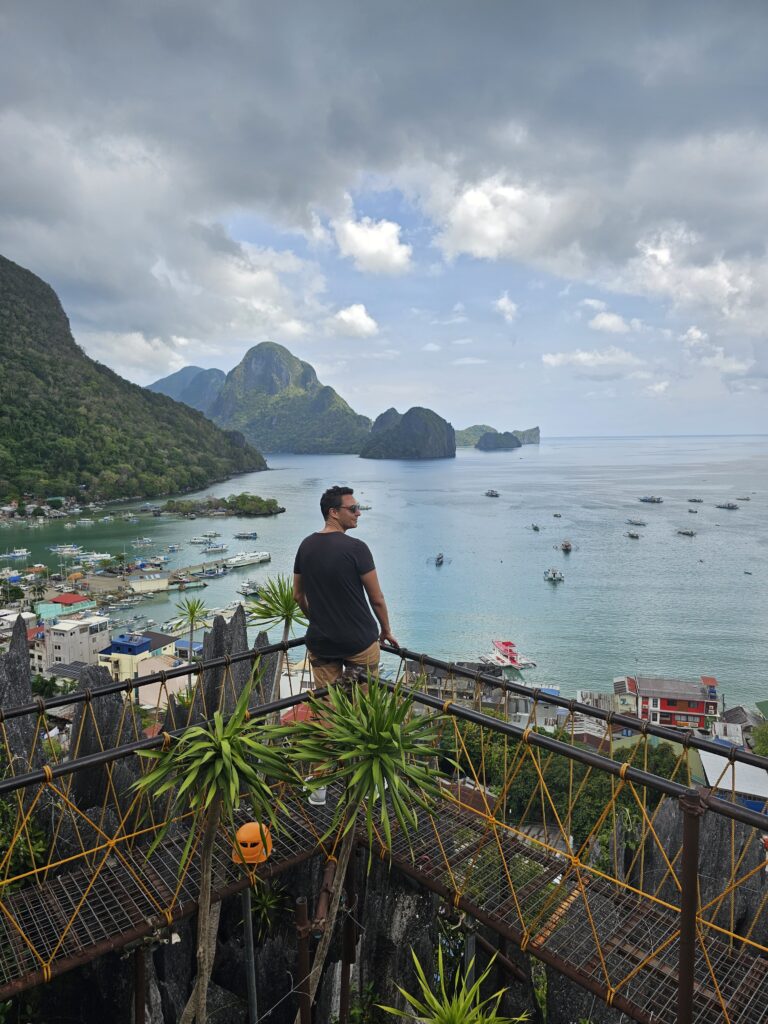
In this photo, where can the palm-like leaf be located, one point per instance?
(193, 613)
(276, 606)
(462, 1006)
(220, 758)
(369, 741)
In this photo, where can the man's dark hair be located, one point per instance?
(332, 498)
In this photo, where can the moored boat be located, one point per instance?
(506, 654)
(553, 575)
(566, 547)
(636, 522)
(651, 499)
(247, 558)
(439, 558)
(687, 533)
(252, 535)
(632, 534)
(490, 493)
(730, 505)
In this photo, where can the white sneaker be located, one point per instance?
(317, 796)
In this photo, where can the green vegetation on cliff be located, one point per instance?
(498, 442)
(469, 437)
(278, 403)
(236, 505)
(69, 425)
(191, 385)
(418, 434)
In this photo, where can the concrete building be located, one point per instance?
(77, 639)
(128, 650)
(677, 702)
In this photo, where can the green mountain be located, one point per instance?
(417, 434)
(191, 385)
(469, 437)
(69, 425)
(496, 442)
(278, 403)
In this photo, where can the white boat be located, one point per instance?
(506, 654)
(210, 534)
(85, 522)
(248, 536)
(65, 549)
(554, 576)
(17, 553)
(248, 558)
(249, 588)
(215, 549)
(199, 540)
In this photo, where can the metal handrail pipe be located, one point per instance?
(43, 704)
(620, 769)
(687, 738)
(102, 757)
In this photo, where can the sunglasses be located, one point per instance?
(349, 508)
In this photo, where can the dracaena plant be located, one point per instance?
(208, 771)
(369, 740)
(462, 1004)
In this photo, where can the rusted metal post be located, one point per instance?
(302, 983)
(348, 942)
(692, 808)
(250, 961)
(139, 985)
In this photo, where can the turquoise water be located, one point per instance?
(664, 604)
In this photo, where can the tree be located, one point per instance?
(193, 614)
(204, 772)
(463, 1005)
(368, 741)
(760, 739)
(276, 606)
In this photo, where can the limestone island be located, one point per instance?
(417, 434)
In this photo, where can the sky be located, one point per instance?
(513, 213)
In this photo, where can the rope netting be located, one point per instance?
(564, 839)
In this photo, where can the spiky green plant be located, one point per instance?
(369, 741)
(193, 613)
(463, 1005)
(206, 772)
(276, 606)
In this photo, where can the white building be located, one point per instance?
(76, 640)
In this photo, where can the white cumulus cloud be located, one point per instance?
(468, 361)
(610, 323)
(355, 321)
(506, 307)
(599, 364)
(430, 347)
(374, 246)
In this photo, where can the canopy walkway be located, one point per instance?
(585, 858)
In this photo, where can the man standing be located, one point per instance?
(333, 574)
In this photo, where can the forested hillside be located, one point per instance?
(70, 425)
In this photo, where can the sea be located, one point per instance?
(663, 605)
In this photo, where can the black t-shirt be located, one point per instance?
(340, 619)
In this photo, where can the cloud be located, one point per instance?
(355, 321)
(596, 304)
(374, 246)
(693, 337)
(726, 364)
(657, 389)
(598, 364)
(468, 361)
(430, 347)
(506, 307)
(463, 341)
(611, 323)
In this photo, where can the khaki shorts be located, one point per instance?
(329, 670)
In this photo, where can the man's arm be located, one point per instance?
(299, 595)
(373, 589)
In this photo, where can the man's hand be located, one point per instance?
(385, 637)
